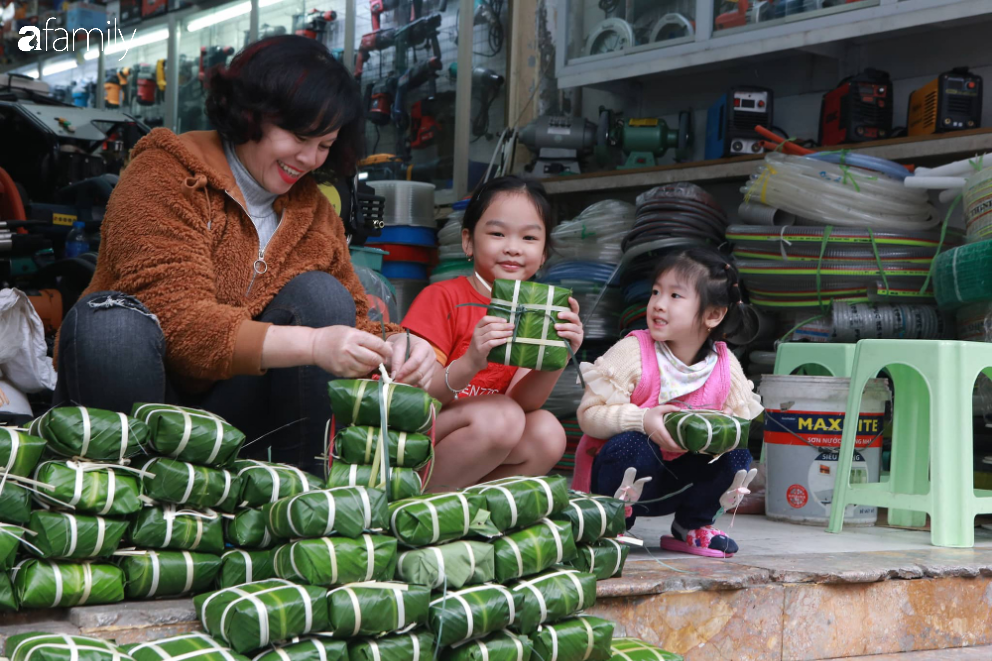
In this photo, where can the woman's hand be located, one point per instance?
(654, 427)
(489, 333)
(418, 370)
(347, 352)
(571, 331)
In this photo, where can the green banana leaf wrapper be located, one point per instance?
(581, 637)
(10, 539)
(315, 648)
(88, 488)
(183, 483)
(194, 646)
(707, 432)
(403, 482)
(518, 502)
(533, 308)
(459, 563)
(19, 451)
(167, 528)
(58, 584)
(249, 617)
(594, 517)
(426, 520)
(500, 646)
(604, 558)
(192, 435)
(347, 511)
(356, 402)
(150, 574)
(552, 596)
(473, 612)
(332, 561)
(356, 445)
(532, 550)
(75, 536)
(371, 609)
(247, 530)
(417, 645)
(240, 566)
(15, 503)
(38, 646)
(94, 434)
(632, 649)
(264, 482)
(8, 602)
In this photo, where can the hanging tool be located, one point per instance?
(210, 58)
(378, 7)
(486, 85)
(411, 79)
(315, 24)
(642, 139)
(115, 87)
(487, 13)
(147, 85)
(379, 100)
(424, 127)
(379, 40)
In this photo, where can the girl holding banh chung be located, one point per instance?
(490, 425)
(674, 365)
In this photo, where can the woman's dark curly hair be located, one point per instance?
(294, 83)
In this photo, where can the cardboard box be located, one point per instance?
(86, 16)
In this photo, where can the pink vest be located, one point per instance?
(713, 395)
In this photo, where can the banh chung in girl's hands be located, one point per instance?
(533, 309)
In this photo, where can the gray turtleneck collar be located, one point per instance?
(257, 198)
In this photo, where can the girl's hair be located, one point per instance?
(294, 83)
(487, 192)
(717, 284)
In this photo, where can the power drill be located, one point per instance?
(314, 25)
(114, 86)
(378, 7)
(424, 128)
(379, 100)
(147, 85)
(373, 41)
(421, 31)
(211, 57)
(411, 79)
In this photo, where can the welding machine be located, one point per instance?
(857, 110)
(730, 122)
(950, 102)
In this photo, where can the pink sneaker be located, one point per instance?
(706, 541)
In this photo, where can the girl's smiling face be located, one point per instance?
(509, 240)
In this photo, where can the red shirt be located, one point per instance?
(435, 317)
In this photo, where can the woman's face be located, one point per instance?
(280, 158)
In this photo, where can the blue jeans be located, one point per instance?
(690, 485)
(112, 354)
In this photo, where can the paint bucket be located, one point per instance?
(804, 419)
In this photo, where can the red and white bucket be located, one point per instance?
(804, 420)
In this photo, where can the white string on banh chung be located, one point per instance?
(156, 646)
(70, 643)
(260, 610)
(275, 475)
(432, 510)
(469, 619)
(188, 428)
(397, 588)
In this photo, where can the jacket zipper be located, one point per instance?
(258, 267)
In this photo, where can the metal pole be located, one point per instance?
(101, 75)
(172, 74)
(253, 22)
(463, 98)
(350, 8)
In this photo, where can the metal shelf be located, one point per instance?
(925, 150)
(799, 33)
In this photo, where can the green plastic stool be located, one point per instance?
(932, 463)
(837, 359)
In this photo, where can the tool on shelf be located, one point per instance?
(859, 109)
(559, 142)
(950, 102)
(643, 140)
(731, 121)
(314, 24)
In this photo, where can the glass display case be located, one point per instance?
(602, 27)
(731, 14)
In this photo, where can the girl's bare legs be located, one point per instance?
(474, 436)
(539, 449)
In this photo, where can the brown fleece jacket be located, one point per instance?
(177, 237)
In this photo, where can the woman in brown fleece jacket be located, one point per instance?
(224, 280)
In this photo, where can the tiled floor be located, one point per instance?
(758, 535)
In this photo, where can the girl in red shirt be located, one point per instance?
(491, 425)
